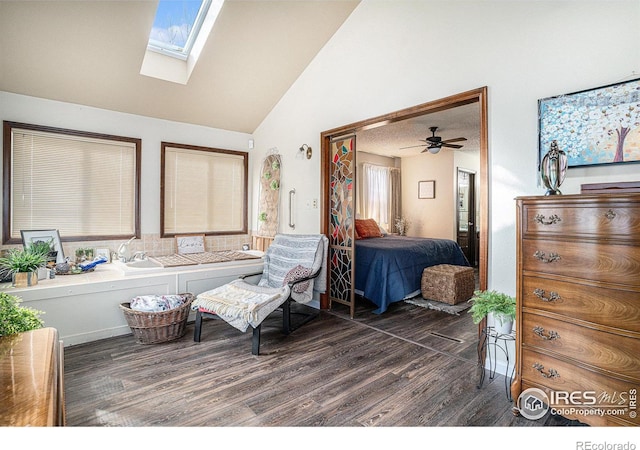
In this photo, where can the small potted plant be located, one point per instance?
(45, 247)
(15, 318)
(499, 307)
(23, 265)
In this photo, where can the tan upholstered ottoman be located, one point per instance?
(448, 284)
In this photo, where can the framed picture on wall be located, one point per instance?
(593, 127)
(427, 189)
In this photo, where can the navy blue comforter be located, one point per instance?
(390, 268)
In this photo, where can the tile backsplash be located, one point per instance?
(154, 245)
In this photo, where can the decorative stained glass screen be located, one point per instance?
(341, 220)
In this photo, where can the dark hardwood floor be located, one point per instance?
(408, 367)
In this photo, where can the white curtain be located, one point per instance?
(379, 198)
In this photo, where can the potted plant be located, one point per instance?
(45, 247)
(23, 265)
(500, 307)
(15, 318)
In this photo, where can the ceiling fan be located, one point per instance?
(435, 143)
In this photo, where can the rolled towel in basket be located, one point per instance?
(156, 303)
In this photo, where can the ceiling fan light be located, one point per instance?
(433, 150)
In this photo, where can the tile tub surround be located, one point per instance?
(154, 245)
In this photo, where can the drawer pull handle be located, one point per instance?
(552, 220)
(610, 214)
(552, 373)
(552, 335)
(553, 296)
(540, 256)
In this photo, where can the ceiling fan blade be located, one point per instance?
(455, 140)
(444, 144)
(413, 146)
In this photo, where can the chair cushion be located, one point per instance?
(295, 274)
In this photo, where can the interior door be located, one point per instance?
(466, 215)
(342, 182)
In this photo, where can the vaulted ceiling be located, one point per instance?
(90, 53)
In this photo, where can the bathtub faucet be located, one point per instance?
(139, 256)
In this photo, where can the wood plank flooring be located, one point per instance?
(387, 370)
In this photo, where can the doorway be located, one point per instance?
(474, 96)
(466, 235)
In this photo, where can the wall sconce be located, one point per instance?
(307, 149)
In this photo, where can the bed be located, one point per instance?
(389, 269)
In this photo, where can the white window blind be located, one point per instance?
(204, 190)
(83, 186)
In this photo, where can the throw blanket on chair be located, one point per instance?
(241, 304)
(288, 251)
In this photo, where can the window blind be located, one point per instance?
(204, 191)
(80, 185)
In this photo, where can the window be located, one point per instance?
(379, 195)
(203, 190)
(180, 30)
(176, 25)
(86, 185)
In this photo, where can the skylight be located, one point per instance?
(177, 25)
(179, 32)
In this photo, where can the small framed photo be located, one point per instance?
(103, 252)
(84, 254)
(52, 237)
(427, 189)
(193, 243)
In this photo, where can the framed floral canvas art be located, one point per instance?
(595, 126)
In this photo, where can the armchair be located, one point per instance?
(294, 268)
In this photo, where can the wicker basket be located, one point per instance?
(156, 327)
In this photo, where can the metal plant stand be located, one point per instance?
(488, 349)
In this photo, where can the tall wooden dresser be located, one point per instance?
(578, 304)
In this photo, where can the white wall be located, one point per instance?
(20, 108)
(428, 217)
(391, 55)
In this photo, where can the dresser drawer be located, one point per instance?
(607, 351)
(545, 371)
(610, 307)
(619, 264)
(617, 221)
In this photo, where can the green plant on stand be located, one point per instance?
(23, 265)
(15, 318)
(500, 306)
